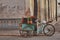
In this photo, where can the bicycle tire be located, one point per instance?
(52, 31)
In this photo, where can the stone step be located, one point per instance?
(9, 32)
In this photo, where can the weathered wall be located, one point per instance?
(58, 8)
(12, 8)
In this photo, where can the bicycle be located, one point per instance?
(43, 27)
(46, 28)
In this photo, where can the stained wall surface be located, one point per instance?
(12, 8)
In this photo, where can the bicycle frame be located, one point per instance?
(40, 28)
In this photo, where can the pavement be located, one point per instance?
(14, 34)
(56, 36)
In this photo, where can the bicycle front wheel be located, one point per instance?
(49, 30)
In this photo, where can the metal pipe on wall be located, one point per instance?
(35, 8)
(56, 9)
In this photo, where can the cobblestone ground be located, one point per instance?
(56, 36)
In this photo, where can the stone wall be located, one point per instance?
(9, 23)
(12, 8)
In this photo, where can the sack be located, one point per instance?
(29, 21)
(24, 20)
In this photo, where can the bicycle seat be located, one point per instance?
(50, 21)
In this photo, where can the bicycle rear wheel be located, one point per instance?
(49, 30)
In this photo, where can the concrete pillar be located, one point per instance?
(42, 10)
(39, 14)
(32, 7)
(47, 10)
(52, 9)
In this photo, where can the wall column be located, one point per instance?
(32, 7)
